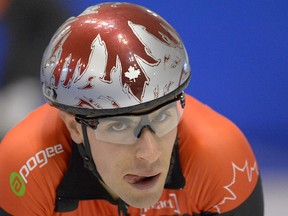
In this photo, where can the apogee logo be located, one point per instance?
(18, 180)
(17, 184)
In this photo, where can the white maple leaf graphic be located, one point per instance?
(132, 74)
(247, 170)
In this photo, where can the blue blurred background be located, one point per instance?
(239, 56)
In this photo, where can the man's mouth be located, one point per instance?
(142, 182)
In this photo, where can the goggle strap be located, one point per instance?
(182, 100)
(87, 122)
(85, 152)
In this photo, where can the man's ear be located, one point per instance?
(73, 127)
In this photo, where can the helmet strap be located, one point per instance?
(85, 152)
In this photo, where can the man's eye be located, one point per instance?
(120, 126)
(160, 118)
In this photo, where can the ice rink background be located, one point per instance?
(239, 56)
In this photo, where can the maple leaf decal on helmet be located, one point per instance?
(132, 74)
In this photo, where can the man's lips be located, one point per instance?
(142, 182)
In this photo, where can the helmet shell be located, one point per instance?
(113, 58)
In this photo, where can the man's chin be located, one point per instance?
(144, 201)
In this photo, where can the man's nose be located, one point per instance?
(148, 147)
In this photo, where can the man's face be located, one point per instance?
(132, 152)
(134, 172)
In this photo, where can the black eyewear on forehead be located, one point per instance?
(93, 122)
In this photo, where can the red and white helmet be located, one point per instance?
(114, 55)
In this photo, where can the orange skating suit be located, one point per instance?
(214, 173)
